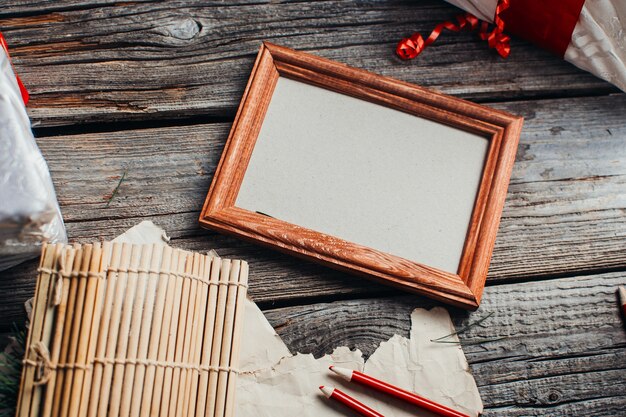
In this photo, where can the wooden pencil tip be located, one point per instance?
(327, 391)
(342, 372)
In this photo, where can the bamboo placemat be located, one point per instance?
(133, 330)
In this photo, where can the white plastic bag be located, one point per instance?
(29, 212)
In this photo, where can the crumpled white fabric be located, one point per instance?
(29, 212)
(598, 42)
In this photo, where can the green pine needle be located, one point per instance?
(471, 342)
(464, 329)
(116, 189)
(11, 366)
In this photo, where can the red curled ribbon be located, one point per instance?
(23, 90)
(409, 48)
(497, 39)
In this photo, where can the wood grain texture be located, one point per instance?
(105, 62)
(108, 61)
(565, 345)
(24, 8)
(564, 210)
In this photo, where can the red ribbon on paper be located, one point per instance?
(23, 90)
(409, 48)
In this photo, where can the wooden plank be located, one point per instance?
(553, 206)
(564, 210)
(565, 345)
(564, 352)
(25, 8)
(570, 170)
(137, 61)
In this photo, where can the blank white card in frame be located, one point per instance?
(365, 173)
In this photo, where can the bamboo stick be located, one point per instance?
(237, 334)
(141, 298)
(185, 269)
(66, 270)
(227, 339)
(67, 332)
(149, 323)
(209, 330)
(204, 271)
(191, 270)
(114, 329)
(98, 269)
(165, 340)
(47, 327)
(89, 311)
(124, 336)
(103, 332)
(218, 333)
(171, 345)
(158, 335)
(195, 296)
(36, 327)
(75, 337)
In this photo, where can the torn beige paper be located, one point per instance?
(438, 371)
(145, 232)
(275, 383)
(287, 385)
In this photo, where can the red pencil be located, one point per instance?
(347, 400)
(622, 299)
(407, 396)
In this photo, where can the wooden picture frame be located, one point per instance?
(463, 288)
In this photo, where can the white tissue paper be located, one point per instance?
(29, 212)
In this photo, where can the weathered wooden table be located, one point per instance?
(150, 88)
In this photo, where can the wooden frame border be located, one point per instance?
(463, 289)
